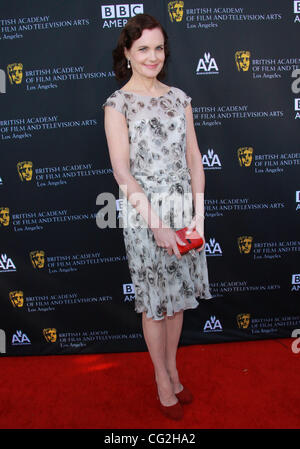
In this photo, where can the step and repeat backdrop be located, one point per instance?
(64, 282)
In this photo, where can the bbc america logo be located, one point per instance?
(121, 11)
(296, 6)
(295, 282)
(297, 199)
(129, 293)
(297, 108)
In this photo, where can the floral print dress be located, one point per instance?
(157, 137)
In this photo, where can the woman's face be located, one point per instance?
(147, 54)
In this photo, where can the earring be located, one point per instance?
(128, 64)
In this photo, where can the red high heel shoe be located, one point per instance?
(184, 396)
(174, 412)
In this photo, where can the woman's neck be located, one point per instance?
(144, 85)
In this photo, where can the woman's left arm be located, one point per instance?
(194, 162)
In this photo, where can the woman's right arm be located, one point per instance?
(118, 145)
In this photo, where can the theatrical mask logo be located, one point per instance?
(37, 258)
(242, 59)
(15, 73)
(243, 320)
(176, 11)
(245, 244)
(245, 155)
(17, 298)
(4, 216)
(50, 335)
(25, 170)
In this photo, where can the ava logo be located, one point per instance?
(17, 298)
(213, 248)
(128, 290)
(243, 320)
(242, 60)
(297, 199)
(175, 10)
(25, 170)
(211, 160)
(20, 338)
(297, 108)
(37, 258)
(6, 264)
(212, 325)
(50, 335)
(4, 216)
(207, 66)
(296, 283)
(297, 11)
(245, 244)
(245, 156)
(15, 73)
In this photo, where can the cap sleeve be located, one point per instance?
(116, 101)
(182, 97)
(186, 99)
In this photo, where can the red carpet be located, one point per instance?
(249, 385)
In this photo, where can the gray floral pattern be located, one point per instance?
(157, 137)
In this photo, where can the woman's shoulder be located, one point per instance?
(115, 100)
(181, 95)
(113, 96)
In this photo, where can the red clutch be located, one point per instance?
(192, 240)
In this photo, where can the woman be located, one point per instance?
(154, 155)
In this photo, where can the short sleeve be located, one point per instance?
(186, 99)
(116, 101)
(182, 97)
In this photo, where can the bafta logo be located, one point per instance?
(25, 170)
(176, 11)
(15, 73)
(242, 59)
(243, 320)
(17, 298)
(50, 335)
(4, 216)
(245, 244)
(37, 258)
(245, 155)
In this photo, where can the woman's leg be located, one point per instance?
(155, 338)
(173, 332)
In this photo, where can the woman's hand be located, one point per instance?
(167, 238)
(197, 224)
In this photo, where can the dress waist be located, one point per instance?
(163, 177)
